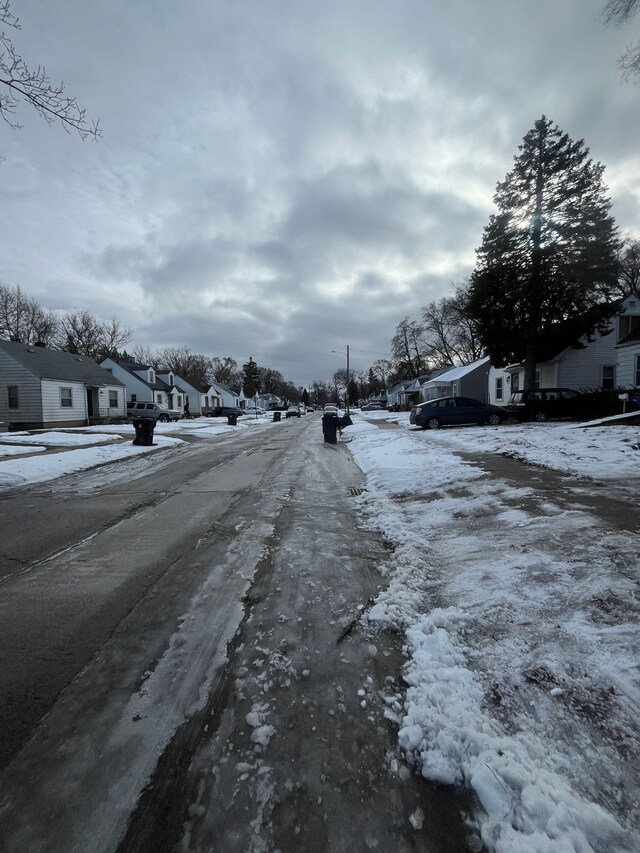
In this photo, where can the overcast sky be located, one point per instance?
(281, 178)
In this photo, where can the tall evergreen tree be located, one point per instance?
(549, 254)
(250, 378)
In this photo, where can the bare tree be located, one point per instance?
(408, 349)
(24, 320)
(146, 356)
(449, 330)
(617, 12)
(225, 370)
(80, 332)
(629, 261)
(34, 86)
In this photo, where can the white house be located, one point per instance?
(181, 391)
(218, 394)
(42, 388)
(627, 341)
(499, 386)
(592, 364)
(144, 384)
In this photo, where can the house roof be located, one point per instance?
(132, 366)
(460, 371)
(52, 364)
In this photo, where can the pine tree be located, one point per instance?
(549, 254)
(250, 378)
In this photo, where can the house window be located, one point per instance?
(536, 381)
(66, 399)
(134, 398)
(628, 329)
(12, 395)
(499, 390)
(515, 382)
(152, 376)
(637, 382)
(608, 377)
(113, 399)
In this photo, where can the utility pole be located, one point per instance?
(347, 398)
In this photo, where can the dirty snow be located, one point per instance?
(115, 438)
(519, 612)
(520, 617)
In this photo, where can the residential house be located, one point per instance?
(628, 344)
(270, 402)
(396, 395)
(181, 389)
(41, 388)
(499, 386)
(144, 384)
(217, 394)
(570, 358)
(466, 380)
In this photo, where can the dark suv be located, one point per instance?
(540, 404)
(224, 412)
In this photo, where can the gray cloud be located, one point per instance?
(279, 180)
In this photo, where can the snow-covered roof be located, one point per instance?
(458, 372)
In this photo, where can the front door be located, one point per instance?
(89, 402)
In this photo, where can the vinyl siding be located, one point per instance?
(582, 368)
(107, 411)
(29, 405)
(133, 384)
(53, 412)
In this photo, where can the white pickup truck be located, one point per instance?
(153, 412)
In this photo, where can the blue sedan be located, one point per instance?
(448, 411)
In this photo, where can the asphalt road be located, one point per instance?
(182, 666)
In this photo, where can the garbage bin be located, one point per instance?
(144, 431)
(330, 428)
(344, 421)
(232, 420)
(277, 416)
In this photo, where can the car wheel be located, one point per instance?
(433, 423)
(540, 417)
(494, 419)
(164, 419)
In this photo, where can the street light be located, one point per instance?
(340, 352)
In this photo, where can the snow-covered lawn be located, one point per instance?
(520, 616)
(113, 440)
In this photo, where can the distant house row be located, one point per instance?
(608, 360)
(42, 388)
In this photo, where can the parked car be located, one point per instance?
(448, 411)
(153, 412)
(293, 412)
(254, 410)
(373, 407)
(330, 409)
(224, 412)
(540, 404)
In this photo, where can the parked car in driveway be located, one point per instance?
(153, 412)
(224, 412)
(540, 404)
(448, 411)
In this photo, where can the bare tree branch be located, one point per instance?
(35, 87)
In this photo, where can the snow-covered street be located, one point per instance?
(501, 561)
